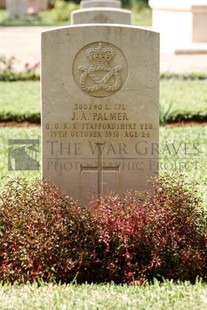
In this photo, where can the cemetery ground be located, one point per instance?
(183, 140)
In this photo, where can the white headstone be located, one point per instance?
(100, 108)
(101, 15)
(100, 3)
(16, 8)
(101, 11)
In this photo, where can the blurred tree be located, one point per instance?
(136, 4)
(75, 1)
(126, 3)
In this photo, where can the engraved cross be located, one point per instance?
(100, 168)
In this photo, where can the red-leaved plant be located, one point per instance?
(119, 237)
(43, 234)
(121, 220)
(177, 230)
(157, 234)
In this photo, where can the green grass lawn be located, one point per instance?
(180, 100)
(183, 99)
(19, 100)
(104, 297)
(15, 133)
(183, 150)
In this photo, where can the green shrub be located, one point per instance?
(135, 4)
(138, 5)
(194, 76)
(32, 118)
(62, 10)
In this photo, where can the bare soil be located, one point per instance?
(169, 125)
(186, 124)
(16, 124)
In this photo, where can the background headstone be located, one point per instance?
(18, 8)
(101, 11)
(101, 15)
(100, 3)
(100, 115)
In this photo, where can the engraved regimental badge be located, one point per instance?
(100, 69)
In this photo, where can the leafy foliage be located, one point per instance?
(193, 76)
(159, 235)
(119, 237)
(33, 118)
(62, 10)
(176, 231)
(43, 234)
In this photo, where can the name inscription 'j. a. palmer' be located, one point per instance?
(96, 116)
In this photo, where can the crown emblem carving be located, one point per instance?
(101, 78)
(100, 55)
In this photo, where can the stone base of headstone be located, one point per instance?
(192, 49)
(100, 3)
(101, 15)
(182, 25)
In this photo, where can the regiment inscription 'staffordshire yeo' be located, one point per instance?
(100, 119)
